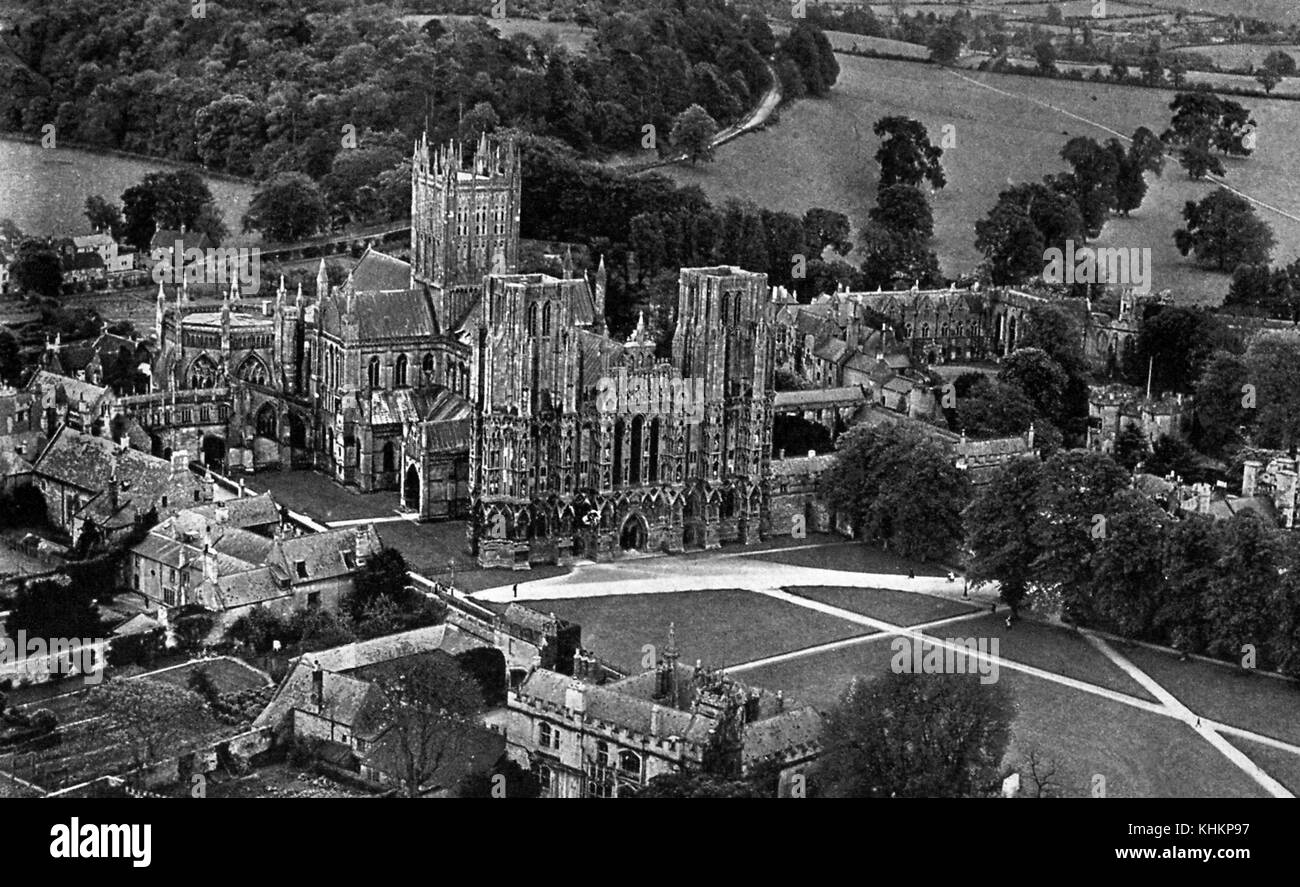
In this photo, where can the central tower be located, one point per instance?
(464, 222)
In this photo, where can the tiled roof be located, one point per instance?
(166, 239)
(317, 556)
(88, 462)
(345, 699)
(248, 511)
(795, 733)
(821, 398)
(380, 272)
(620, 709)
(66, 389)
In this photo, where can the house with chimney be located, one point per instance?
(95, 484)
(336, 696)
(65, 400)
(227, 557)
(1113, 408)
(584, 736)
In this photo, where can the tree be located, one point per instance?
(906, 155)
(1094, 180)
(1042, 379)
(1131, 447)
(945, 44)
(428, 713)
(104, 216)
(288, 208)
(993, 409)
(515, 782)
(54, 607)
(999, 525)
(693, 132)
(1175, 343)
(1268, 78)
(36, 268)
(153, 717)
(1045, 56)
(827, 228)
(1171, 454)
(903, 210)
(916, 736)
(1223, 232)
(1128, 566)
(900, 486)
(1012, 245)
(172, 200)
(1218, 403)
(1077, 492)
(1273, 367)
(697, 785)
(1240, 603)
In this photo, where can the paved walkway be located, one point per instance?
(741, 570)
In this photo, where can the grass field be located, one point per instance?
(853, 556)
(1281, 765)
(1138, 753)
(886, 604)
(822, 154)
(1235, 55)
(717, 627)
(1266, 705)
(230, 675)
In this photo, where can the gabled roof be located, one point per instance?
(88, 462)
(791, 734)
(317, 556)
(66, 389)
(619, 709)
(380, 272)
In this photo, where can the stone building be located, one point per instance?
(586, 447)
(583, 739)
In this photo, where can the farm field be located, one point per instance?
(44, 190)
(1007, 129)
(719, 628)
(1233, 55)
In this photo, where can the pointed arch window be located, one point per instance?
(546, 319)
(400, 371)
(373, 375)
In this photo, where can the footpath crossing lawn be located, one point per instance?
(1255, 702)
(895, 607)
(719, 628)
(1049, 647)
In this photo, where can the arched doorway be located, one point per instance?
(214, 451)
(411, 488)
(634, 536)
(266, 421)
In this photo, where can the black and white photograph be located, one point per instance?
(504, 399)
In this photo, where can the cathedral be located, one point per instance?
(479, 392)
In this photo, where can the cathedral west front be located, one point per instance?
(480, 393)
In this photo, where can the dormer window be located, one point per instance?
(301, 568)
(349, 559)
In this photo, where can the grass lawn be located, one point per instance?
(1225, 693)
(1281, 765)
(717, 627)
(852, 556)
(895, 607)
(1050, 648)
(1139, 754)
(822, 154)
(230, 675)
